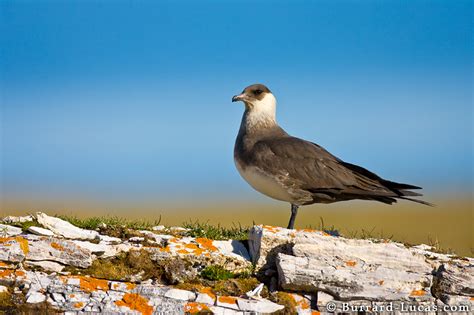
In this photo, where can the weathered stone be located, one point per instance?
(232, 248)
(179, 294)
(265, 242)
(8, 230)
(58, 250)
(228, 302)
(189, 256)
(21, 219)
(109, 239)
(40, 231)
(46, 265)
(258, 306)
(64, 228)
(354, 269)
(454, 280)
(3, 289)
(35, 297)
(13, 249)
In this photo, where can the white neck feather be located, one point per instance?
(261, 113)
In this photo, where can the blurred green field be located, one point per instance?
(449, 225)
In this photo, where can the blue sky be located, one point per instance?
(131, 99)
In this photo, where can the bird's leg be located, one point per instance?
(294, 211)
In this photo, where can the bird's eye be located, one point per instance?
(258, 92)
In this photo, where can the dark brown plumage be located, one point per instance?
(298, 171)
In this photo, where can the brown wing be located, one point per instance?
(305, 166)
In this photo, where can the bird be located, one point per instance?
(297, 171)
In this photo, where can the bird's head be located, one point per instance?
(257, 97)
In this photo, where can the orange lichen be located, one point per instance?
(471, 298)
(78, 305)
(191, 246)
(304, 304)
(208, 291)
(135, 302)
(2, 264)
(5, 273)
(182, 251)
(19, 273)
(174, 240)
(418, 292)
(381, 282)
(308, 230)
(165, 249)
(130, 286)
(350, 263)
(315, 313)
(23, 244)
(198, 251)
(325, 233)
(270, 228)
(72, 295)
(206, 244)
(57, 246)
(89, 284)
(195, 307)
(227, 299)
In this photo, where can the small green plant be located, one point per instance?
(217, 273)
(111, 222)
(216, 232)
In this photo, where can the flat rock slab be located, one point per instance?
(64, 228)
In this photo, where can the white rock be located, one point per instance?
(58, 250)
(13, 249)
(109, 239)
(159, 228)
(232, 248)
(354, 269)
(136, 239)
(265, 242)
(259, 306)
(64, 228)
(98, 249)
(217, 310)
(179, 294)
(40, 231)
(228, 302)
(47, 265)
(35, 297)
(8, 230)
(205, 298)
(21, 219)
(3, 289)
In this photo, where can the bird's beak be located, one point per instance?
(237, 98)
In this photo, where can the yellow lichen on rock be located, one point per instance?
(135, 302)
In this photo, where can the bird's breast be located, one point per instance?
(262, 182)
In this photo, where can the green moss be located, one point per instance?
(286, 300)
(216, 273)
(6, 301)
(124, 266)
(236, 287)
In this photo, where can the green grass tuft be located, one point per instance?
(216, 232)
(217, 273)
(112, 222)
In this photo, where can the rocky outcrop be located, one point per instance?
(361, 273)
(68, 269)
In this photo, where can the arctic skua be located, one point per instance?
(297, 171)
